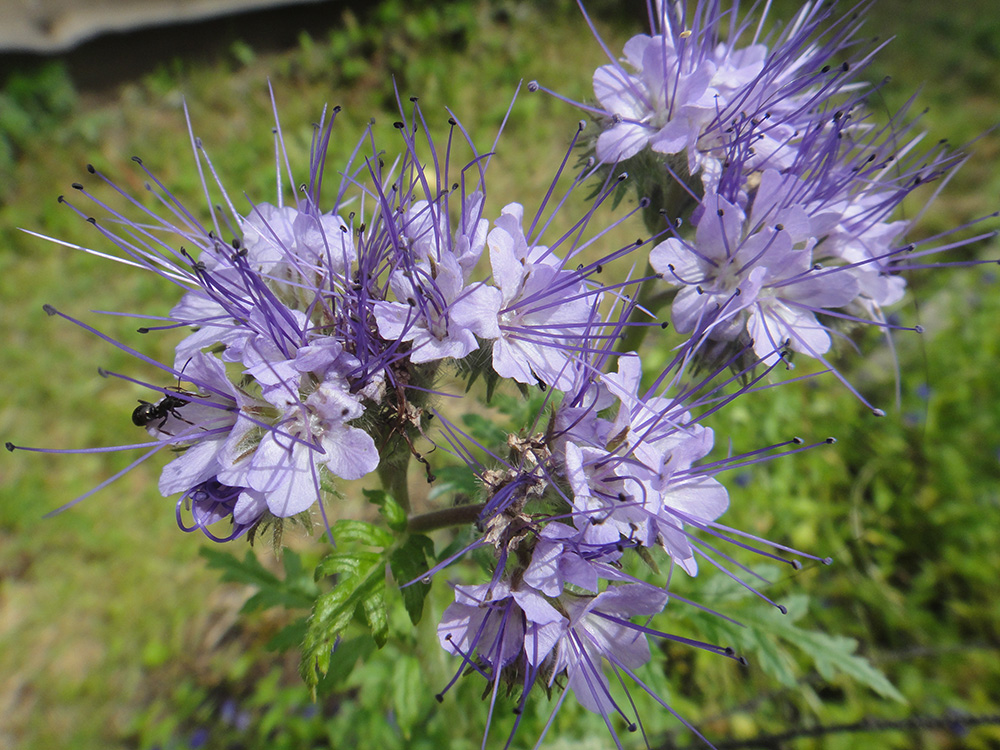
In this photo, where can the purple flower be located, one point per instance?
(752, 275)
(544, 311)
(599, 631)
(678, 89)
(438, 314)
(632, 478)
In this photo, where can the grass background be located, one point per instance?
(114, 633)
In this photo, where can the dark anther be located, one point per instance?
(532, 85)
(76, 186)
(598, 268)
(720, 212)
(10, 446)
(414, 99)
(61, 199)
(845, 67)
(452, 121)
(831, 441)
(664, 325)
(137, 160)
(92, 220)
(780, 227)
(918, 329)
(798, 440)
(825, 69)
(142, 330)
(49, 309)
(795, 564)
(90, 168)
(743, 661)
(783, 609)
(236, 243)
(878, 412)
(336, 109)
(581, 125)
(398, 125)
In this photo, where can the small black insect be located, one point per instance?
(146, 413)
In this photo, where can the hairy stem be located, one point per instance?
(460, 515)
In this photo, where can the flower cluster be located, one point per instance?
(319, 329)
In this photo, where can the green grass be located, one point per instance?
(114, 633)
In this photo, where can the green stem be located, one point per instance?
(460, 515)
(392, 471)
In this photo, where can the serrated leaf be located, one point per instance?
(249, 570)
(408, 564)
(410, 690)
(289, 637)
(454, 480)
(343, 660)
(393, 513)
(373, 607)
(293, 565)
(767, 634)
(833, 653)
(361, 532)
(346, 563)
(295, 592)
(484, 430)
(334, 610)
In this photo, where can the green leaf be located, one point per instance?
(454, 480)
(343, 660)
(248, 571)
(393, 513)
(297, 591)
(410, 692)
(362, 532)
(373, 607)
(409, 563)
(484, 430)
(346, 563)
(361, 587)
(289, 637)
(767, 633)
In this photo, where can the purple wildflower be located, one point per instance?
(677, 90)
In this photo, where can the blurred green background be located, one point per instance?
(115, 633)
